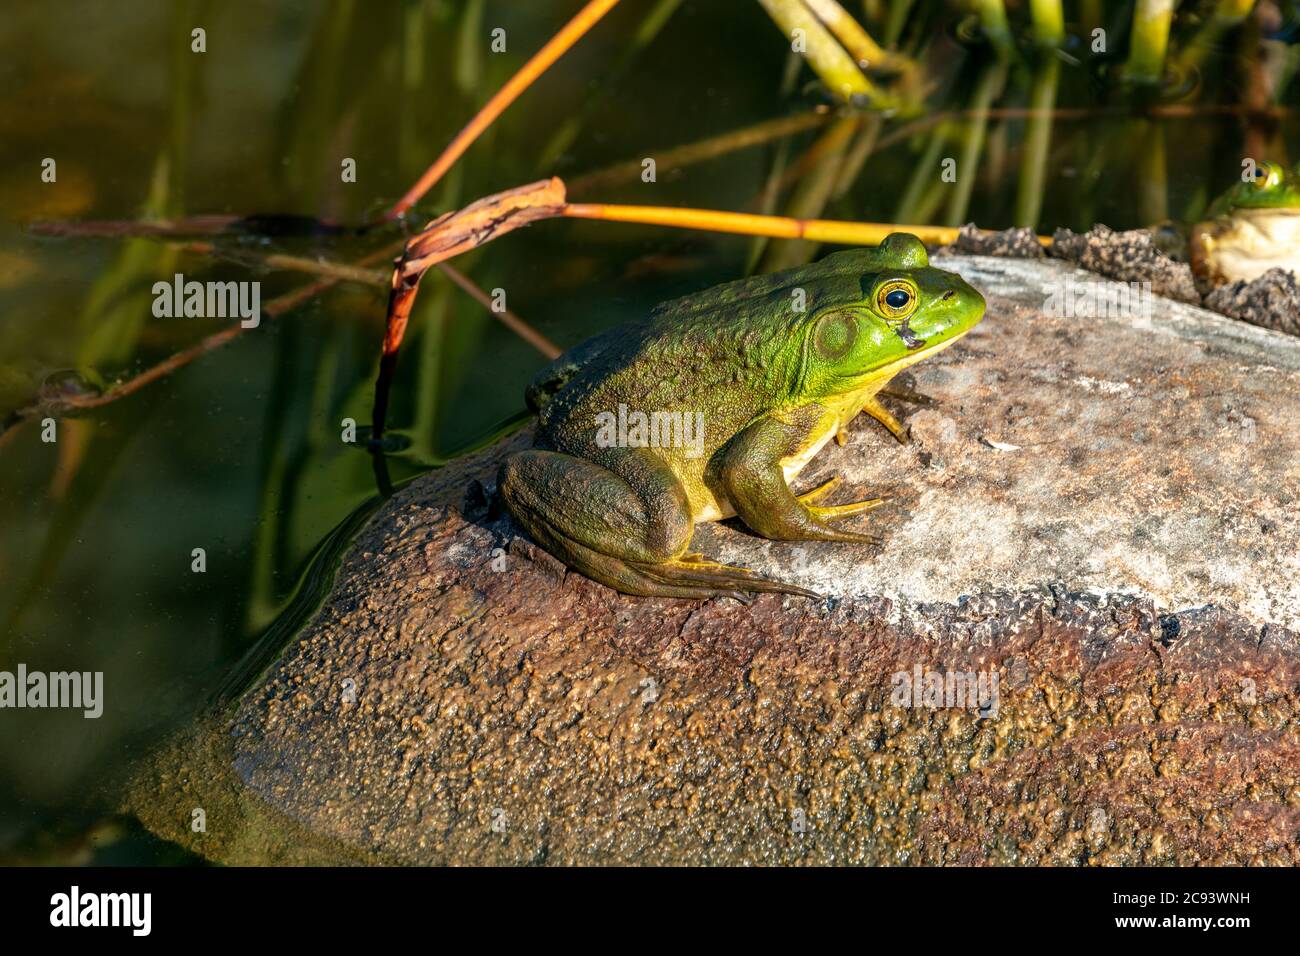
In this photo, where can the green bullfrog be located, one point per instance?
(1253, 227)
(713, 404)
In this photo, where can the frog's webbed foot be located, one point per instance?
(721, 578)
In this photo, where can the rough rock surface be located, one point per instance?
(1100, 514)
(1272, 300)
(1131, 256)
(1013, 243)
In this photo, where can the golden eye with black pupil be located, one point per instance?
(896, 299)
(1264, 176)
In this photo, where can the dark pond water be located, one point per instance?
(239, 453)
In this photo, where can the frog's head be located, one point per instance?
(1272, 187)
(902, 310)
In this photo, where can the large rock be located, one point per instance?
(1098, 522)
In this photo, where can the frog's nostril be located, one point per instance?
(948, 295)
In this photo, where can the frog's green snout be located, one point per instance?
(953, 308)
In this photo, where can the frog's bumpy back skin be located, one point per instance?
(557, 374)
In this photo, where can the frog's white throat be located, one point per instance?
(875, 382)
(1251, 242)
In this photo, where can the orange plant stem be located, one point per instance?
(541, 61)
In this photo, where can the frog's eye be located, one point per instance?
(1265, 175)
(896, 299)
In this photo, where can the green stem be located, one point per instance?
(1227, 14)
(927, 171)
(823, 52)
(1049, 22)
(1038, 139)
(811, 196)
(563, 139)
(1149, 40)
(1153, 175)
(864, 145)
(993, 17)
(898, 11)
(986, 91)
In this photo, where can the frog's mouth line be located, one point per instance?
(886, 372)
(909, 338)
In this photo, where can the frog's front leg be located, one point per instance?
(626, 526)
(755, 482)
(880, 413)
(876, 409)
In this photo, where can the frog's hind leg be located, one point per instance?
(876, 409)
(627, 529)
(595, 520)
(625, 576)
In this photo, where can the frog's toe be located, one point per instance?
(821, 491)
(632, 578)
(837, 511)
(852, 508)
(720, 577)
(880, 413)
(820, 529)
(697, 560)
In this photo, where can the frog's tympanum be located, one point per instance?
(1253, 227)
(712, 405)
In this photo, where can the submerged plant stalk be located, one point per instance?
(823, 52)
(993, 18)
(851, 34)
(1049, 22)
(1149, 40)
(989, 86)
(1038, 139)
(1227, 14)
